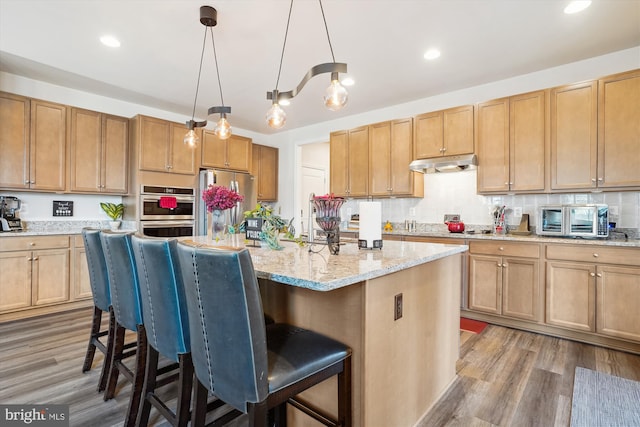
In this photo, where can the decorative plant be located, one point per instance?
(217, 197)
(272, 225)
(113, 211)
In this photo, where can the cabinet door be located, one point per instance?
(48, 146)
(458, 131)
(182, 157)
(527, 142)
(359, 162)
(115, 156)
(85, 151)
(619, 131)
(238, 153)
(265, 169)
(15, 291)
(81, 282)
(379, 159)
(429, 135)
(50, 276)
(618, 290)
(573, 136)
(401, 178)
(571, 295)
(14, 141)
(339, 163)
(521, 288)
(214, 151)
(485, 284)
(493, 146)
(154, 144)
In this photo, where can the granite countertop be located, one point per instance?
(321, 271)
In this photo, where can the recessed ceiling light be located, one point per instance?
(432, 54)
(110, 41)
(347, 81)
(577, 6)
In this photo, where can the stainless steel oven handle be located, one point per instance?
(164, 224)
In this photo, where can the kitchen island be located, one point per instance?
(404, 353)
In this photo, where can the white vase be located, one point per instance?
(115, 225)
(217, 224)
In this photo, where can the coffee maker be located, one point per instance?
(10, 214)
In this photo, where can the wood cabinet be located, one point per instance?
(390, 152)
(80, 281)
(264, 167)
(161, 147)
(594, 289)
(35, 271)
(99, 152)
(504, 279)
(444, 133)
(512, 139)
(233, 153)
(33, 144)
(619, 131)
(349, 162)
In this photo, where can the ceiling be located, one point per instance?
(382, 41)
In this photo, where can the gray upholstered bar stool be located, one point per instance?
(99, 282)
(125, 300)
(253, 367)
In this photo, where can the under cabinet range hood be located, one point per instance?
(445, 164)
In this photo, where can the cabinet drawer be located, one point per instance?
(527, 250)
(33, 242)
(599, 254)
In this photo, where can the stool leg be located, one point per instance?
(138, 378)
(344, 394)
(149, 385)
(258, 414)
(95, 330)
(185, 383)
(200, 396)
(114, 371)
(106, 365)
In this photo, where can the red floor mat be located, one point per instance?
(470, 325)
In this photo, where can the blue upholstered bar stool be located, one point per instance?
(253, 367)
(125, 300)
(101, 303)
(165, 319)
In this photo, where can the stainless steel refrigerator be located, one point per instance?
(243, 183)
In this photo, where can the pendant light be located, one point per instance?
(335, 96)
(208, 18)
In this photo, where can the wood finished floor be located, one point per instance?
(505, 377)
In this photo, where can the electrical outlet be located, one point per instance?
(613, 210)
(412, 211)
(517, 212)
(397, 307)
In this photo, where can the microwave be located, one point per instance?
(590, 221)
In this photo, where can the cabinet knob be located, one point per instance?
(510, 183)
(593, 180)
(501, 248)
(600, 179)
(27, 182)
(29, 259)
(595, 255)
(32, 243)
(35, 259)
(599, 274)
(499, 265)
(592, 274)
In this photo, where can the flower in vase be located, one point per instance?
(217, 197)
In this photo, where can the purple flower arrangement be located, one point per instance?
(217, 197)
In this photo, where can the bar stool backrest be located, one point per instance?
(123, 279)
(164, 308)
(98, 277)
(226, 321)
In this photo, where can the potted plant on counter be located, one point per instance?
(115, 212)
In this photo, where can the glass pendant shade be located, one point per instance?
(222, 129)
(276, 117)
(336, 96)
(191, 138)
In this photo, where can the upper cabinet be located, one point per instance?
(574, 138)
(233, 153)
(349, 162)
(444, 133)
(99, 144)
(619, 131)
(390, 152)
(512, 136)
(32, 143)
(161, 147)
(264, 168)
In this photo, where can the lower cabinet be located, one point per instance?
(504, 279)
(594, 289)
(42, 274)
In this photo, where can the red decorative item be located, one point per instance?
(167, 202)
(455, 226)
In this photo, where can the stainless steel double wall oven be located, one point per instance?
(167, 211)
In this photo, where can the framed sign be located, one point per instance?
(253, 228)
